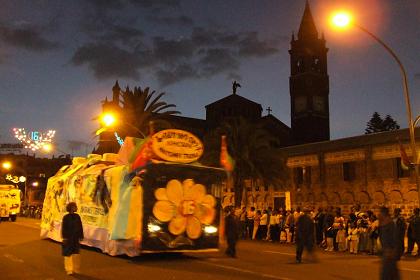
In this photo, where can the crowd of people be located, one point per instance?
(357, 232)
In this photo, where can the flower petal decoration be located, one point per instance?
(186, 207)
(199, 192)
(164, 210)
(174, 191)
(193, 227)
(178, 225)
(188, 187)
(160, 194)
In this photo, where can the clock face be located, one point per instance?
(318, 103)
(300, 103)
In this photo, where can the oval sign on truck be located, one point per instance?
(177, 146)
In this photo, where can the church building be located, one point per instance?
(364, 169)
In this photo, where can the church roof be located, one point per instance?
(234, 99)
(272, 119)
(307, 29)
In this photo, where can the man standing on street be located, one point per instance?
(388, 238)
(231, 231)
(304, 235)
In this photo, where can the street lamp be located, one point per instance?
(109, 120)
(6, 165)
(342, 20)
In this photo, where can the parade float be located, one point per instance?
(153, 196)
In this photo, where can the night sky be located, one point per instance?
(59, 59)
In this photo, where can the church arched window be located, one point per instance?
(316, 64)
(299, 65)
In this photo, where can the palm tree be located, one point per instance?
(251, 147)
(140, 107)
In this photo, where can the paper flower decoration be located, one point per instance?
(186, 206)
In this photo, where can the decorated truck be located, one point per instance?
(152, 196)
(10, 201)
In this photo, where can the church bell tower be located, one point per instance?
(309, 84)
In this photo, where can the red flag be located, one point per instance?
(405, 161)
(225, 159)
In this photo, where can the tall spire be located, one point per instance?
(116, 93)
(307, 29)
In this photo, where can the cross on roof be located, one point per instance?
(269, 110)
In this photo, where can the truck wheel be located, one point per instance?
(13, 218)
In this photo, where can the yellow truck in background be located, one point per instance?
(10, 201)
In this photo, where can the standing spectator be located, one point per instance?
(231, 231)
(373, 232)
(290, 226)
(304, 235)
(263, 226)
(353, 238)
(296, 216)
(387, 235)
(72, 234)
(413, 232)
(250, 222)
(319, 222)
(400, 234)
(282, 226)
(338, 221)
(328, 222)
(274, 226)
(243, 222)
(256, 230)
(362, 225)
(341, 238)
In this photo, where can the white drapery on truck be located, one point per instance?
(157, 206)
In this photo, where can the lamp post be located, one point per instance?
(343, 19)
(109, 120)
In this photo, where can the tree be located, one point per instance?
(250, 146)
(390, 124)
(142, 106)
(377, 124)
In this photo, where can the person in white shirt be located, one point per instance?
(263, 225)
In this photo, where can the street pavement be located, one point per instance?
(23, 255)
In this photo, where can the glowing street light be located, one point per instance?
(343, 19)
(108, 119)
(6, 165)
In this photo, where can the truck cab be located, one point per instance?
(10, 202)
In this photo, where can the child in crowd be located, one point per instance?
(341, 238)
(353, 238)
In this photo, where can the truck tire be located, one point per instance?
(13, 218)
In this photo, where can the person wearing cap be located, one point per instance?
(304, 234)
(231, 231)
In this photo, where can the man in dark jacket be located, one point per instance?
(72, 234)
(400, 233)
(304, 235)
(413, 232)
(387, 235)
(231, 232)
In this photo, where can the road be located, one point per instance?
(23, 255)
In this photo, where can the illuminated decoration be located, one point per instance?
(35, 140)
(177, 145)
(15, 179)
(119, 139)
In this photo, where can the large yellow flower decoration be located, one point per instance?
(185, 206)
